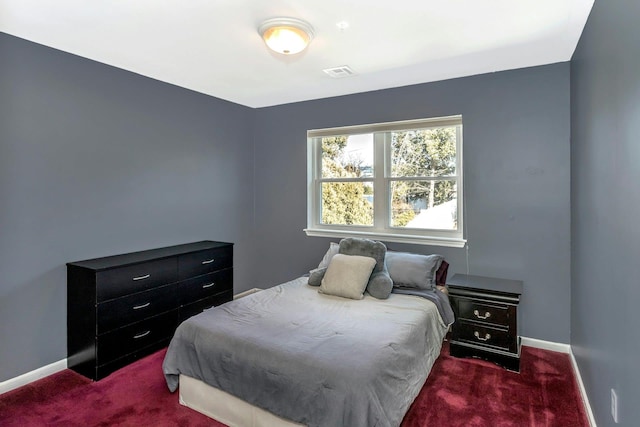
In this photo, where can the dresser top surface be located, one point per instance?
(147, 255)
(485, 283)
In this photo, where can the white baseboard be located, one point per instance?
(247, 292)
(29, 377)
(583, 391)
(546, 345)
(564, 348)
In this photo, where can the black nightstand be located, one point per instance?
(486, 324)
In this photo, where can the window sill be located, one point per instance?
(389, 237)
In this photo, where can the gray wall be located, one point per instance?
(605, 156)
(516, 166)
(96, 161)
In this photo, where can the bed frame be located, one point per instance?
(226, 408)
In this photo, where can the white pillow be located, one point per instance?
(347, 276)
(333, 249)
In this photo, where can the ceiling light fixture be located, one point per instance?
(342, 25)
(287, 36)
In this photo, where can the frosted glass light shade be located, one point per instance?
(287, 36)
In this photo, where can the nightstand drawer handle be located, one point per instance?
(209, 261)
(209, 285)
(146, 276)
(144, 334)
(486, 314)
(487, 337)
(138, 307)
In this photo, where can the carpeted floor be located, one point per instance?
(475, 393)
(459, 392)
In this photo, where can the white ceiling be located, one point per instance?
(213, 47)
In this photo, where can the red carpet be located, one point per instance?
(459, 392)
(474, 393)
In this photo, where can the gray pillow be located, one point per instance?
(316, 275)
(413, 270)
(380, 284)
(333, 249)
(347, 276)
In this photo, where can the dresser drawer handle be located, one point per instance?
(138, 307)
(209, 285)
(477, 314)
(487, 337)
(209, 261)
(144, 334)
(146, 276)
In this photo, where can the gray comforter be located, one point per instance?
(310, 358)
(439, 298)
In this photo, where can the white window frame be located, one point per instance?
(381, 229)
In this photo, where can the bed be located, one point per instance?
(290, 356)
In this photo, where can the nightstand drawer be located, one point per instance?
(120, 312)
(496, 314)
(117, 282)
(486, 336)
(206, 286)
(204, 262)
(126, 340)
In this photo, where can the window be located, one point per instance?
(399, 181)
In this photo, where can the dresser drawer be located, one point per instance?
(186, 311)
(121, 342)
(121, 281)
(204, 262)
(133, 308)
(109, 367)
(485, 336)
(205, 286)
(496, 314)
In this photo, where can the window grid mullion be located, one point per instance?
(317, 163)
(366, 179)
(423, 178)
(380, 187)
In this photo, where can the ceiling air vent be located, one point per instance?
(339, 72)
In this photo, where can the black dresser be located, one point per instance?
(123, 307)
(486, 323)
